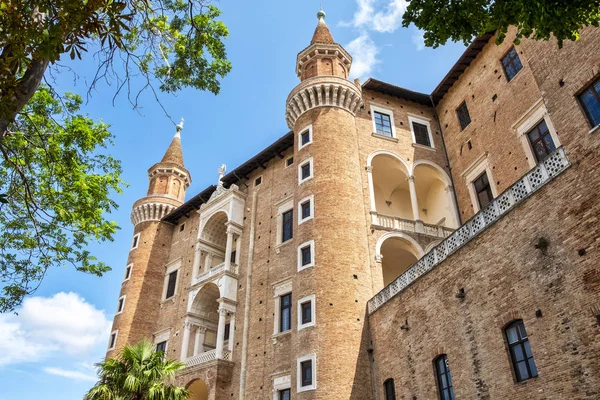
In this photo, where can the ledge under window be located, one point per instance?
(391, 139)
(422, 146)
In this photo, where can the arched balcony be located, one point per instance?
(395, 253)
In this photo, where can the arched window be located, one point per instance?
(520, 351)
(390, 390)
(442, 372)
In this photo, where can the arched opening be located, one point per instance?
(390, 186)
(198, 390)
(397, 254)
(436, 206)
(213, 241)
(205, 309)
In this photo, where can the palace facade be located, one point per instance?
(393, 244)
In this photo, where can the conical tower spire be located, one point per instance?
(174, 154)
(322, 33)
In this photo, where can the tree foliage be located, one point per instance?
(464, 20)
(138, 373)
(56, 184)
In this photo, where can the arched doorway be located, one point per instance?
(198, 390)
(434, 196)
(397, 252)
(390, 186)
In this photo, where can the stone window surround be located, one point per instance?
(313, 359)
(310, 243)
(533, 116)
(170, 268)
(281, 383)
(423, 121)
(310, 137)
(283, 206)
(312, 322)
(280, 289)
(122, 305)
(310, 198)
(287, 161)
(474, 171)
(129, 268)
(162, 336)
(309, 161)
(114, 333)
(135, 242)
(381, 109)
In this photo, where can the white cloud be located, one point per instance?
(418, 39)
(364, 54)
(77, 375)
(385, 21)
(45, 326)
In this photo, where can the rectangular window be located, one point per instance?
(306, 371)
(121, 304)
(113, 340)
(172, 282)
(305, 171)
(383, 124)
(128, 271)
(463, 115)
(162, 346)
(541, 141)
(306, 255)
(233, 256)
(511, 63)
(483, 190)
(285, 319)
(181, 227)
(421, 132)
(520, 351)
(305, 209)
(284, 394)
(443, 377)
(226, 333)
(305, 138)
(590, 101)
(306, 312)
(287, 231)
(258, 181)
(390, 389)
(135, 242)
(289, 161)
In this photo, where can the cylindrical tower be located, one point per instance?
(144, 280)
(321, 111)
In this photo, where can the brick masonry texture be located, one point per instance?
(504, 276)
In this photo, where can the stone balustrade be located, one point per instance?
(407, 225)
(214, 271)
(206, 357)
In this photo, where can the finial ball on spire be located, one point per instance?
(321, 14)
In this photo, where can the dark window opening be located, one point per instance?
(120, 306)
(463, 115)
(288, 226)
(483, 190)
(305, 171)
(284, 394)
(305, 209)
(390, 389)
(306, 255)
(127, 272)
(258, 181)
(171, 284)
(305, 137)
(162, 346)
(444, 379)
(541, 141)
(511, 64)
(285, 321)
(113, 340)
(590, 101)
(232, 257)
(226, 333)
(306, 312)
(520, 351)
(289, 161)
(383, 124)
(421, 134)
(181, 227)
(306, 370)
(135, 241)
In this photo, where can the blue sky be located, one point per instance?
(48, 350)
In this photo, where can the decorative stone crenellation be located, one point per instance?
(150, 212)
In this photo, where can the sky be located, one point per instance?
(49, 349)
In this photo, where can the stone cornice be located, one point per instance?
(322, 91)
(150, 212)
(162, 169)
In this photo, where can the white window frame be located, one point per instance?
(281, 289)
(283, 206)
(308, 128)
(123, 306)
(382, 110)
(313, 313)
(136, 240)
(162, 336)
(313, 359)
(174, 266)
(422, 121)
(286, 161)
(281, 383)
(311, 244)
(311, 199)
(303, 163)
(478, 167)
(116, 334)
(528, 121)
(128, 276)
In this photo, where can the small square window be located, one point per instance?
(181, 227)
(306, 315)
(463, 115)
(305, 171)
(305, 208)
(289, 161)
(511, 63)
(590, 101)
(305, 137)
(306, 312)
(306, 372)
(258, 181)
(306, 255)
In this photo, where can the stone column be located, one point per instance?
(228, 248)
(231, 331)
(196, 263)
(221, 333)
(452, 204)
(207, 262)
(238, 249)
(413, 198)
(187, 326)
(199, 341)
(371, 188)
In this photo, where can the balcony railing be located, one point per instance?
(207, 356)
(401, 224)
(544, 172)
(216, 270)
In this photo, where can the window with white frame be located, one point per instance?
(305, 171)
(537, 133)
(121, 304)
(128, 272)
(307, 373)
(306, 312)
(305, 137)
(112, 342)
(285, 220)
(306, 209)
(480, 182)
(135, 242)
(282, 302)
(161, 340)
(282, 386)
(306, 255)
(383, 121)
(171, 282)
(421, 131)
